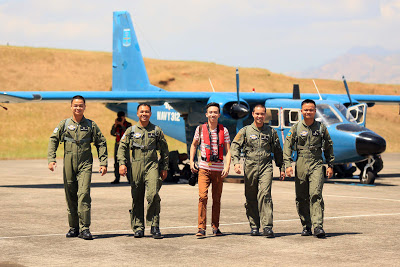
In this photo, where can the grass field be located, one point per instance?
(25, 128)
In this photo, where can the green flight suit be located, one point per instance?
(78, 161)
(258, 144)
(144, 143)
(309, 142)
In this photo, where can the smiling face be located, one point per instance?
(308, 110)
(213, 114)
(144, 114)
(259, 115)
(78, 107)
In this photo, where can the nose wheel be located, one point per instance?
(367, 175)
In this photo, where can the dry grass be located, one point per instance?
(25, 128)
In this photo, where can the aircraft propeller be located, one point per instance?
(238, 111)
(347, 90)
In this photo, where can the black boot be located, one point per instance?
(254, 232)
(319, 232)
(139, 234)
(268, 232)
(155, 231)
(306, 232)
(73, 232)
(85, 234)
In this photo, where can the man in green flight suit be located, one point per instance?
(258, 142)
(77, 133)
(309, 138)
(144, 139)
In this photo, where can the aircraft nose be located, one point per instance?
(369, 143)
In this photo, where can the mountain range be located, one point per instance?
(363, 64)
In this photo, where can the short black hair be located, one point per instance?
(78, 97)
(308, 101)
(120, 114)
(213, 104)
(143, 104)
(260, 106)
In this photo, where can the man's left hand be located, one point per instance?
(103, 170)
(329, 172)
(225, 172)
(163, 174)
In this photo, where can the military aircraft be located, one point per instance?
(179, 113)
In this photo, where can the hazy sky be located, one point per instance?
(281, 36)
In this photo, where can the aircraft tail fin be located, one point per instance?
(129, 72)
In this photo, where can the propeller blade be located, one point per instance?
(237, 84)
(347, 89)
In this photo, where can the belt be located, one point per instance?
(205, 159)
(82, 141)
(136, 145)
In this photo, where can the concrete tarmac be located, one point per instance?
(362, 224)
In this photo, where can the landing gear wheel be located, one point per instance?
(369, 178)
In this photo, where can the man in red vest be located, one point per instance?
(118, 129)
(213, 138)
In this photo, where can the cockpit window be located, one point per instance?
(345, 113)
(327, 114)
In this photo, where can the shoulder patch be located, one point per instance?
(237, 137)
(289, 135)
(55, 130)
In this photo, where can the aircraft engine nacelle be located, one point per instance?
(230, 108)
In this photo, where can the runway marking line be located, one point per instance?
(223, 224)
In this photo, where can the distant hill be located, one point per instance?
(25, 128)
(364, 64)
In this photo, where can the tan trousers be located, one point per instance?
(206, 178)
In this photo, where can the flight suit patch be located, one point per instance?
(264, 137)
(84, 128)
(123, 137)
(303, 133)
(289, 135)
(237, 137)
(137, 135)
(55, 130)
(315, 133)
(253, 137)
(71, 127)
(151, 135)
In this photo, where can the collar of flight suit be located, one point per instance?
(82, 120)
(256, 128)
(305, 125)
(141, 127)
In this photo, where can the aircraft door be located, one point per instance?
(357, 114)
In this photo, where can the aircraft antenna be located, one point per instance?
(320, 97)
(347, 89)
(143, 36)
(211, 85)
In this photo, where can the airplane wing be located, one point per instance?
(161, 96)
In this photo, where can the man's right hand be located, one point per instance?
(52, 166)
(122, 170)
(289, 172)
(192, 168)
(238, 168)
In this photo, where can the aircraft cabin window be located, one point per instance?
(291, 117)
(327, 114)
(272, 117)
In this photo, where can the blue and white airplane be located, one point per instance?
(179, 113)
